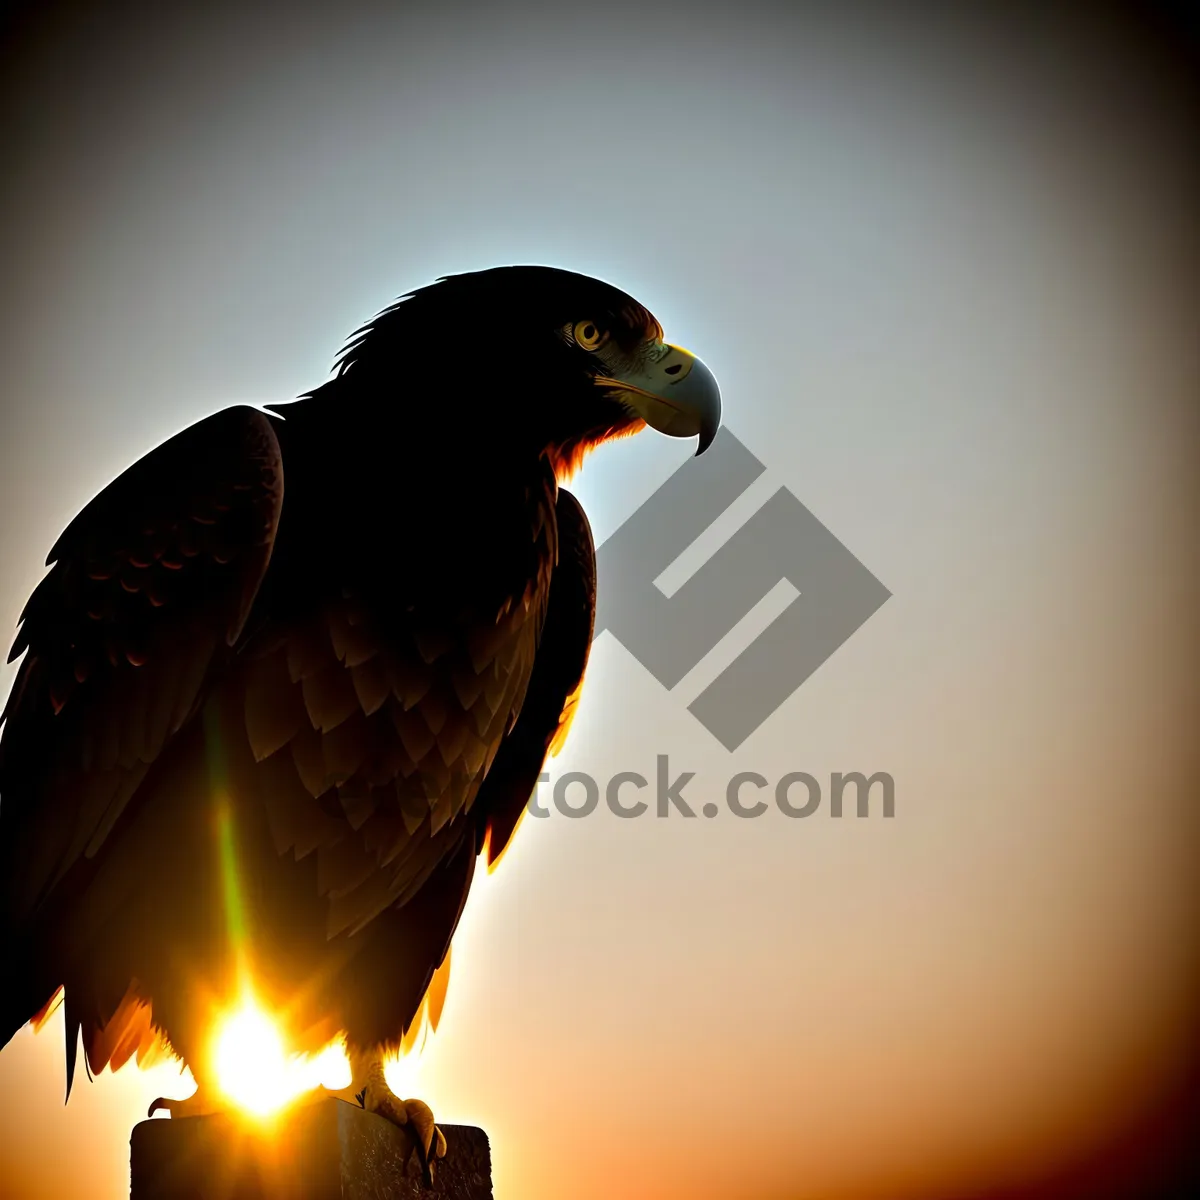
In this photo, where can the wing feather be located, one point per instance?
(555, 684)
(148, 589)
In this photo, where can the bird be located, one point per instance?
(291, 674)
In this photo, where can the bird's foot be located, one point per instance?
(199, 1104)
(414, 1117)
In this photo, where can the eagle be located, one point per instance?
(295, 670)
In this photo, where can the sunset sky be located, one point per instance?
(946, 275)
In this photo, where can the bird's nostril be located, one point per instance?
(673, 370)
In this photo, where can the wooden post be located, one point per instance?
(328, 1150)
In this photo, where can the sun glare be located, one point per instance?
(255, 1073)
(400, 1073)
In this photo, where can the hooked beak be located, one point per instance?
(673, 392)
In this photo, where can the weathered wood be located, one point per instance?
(328, 1150)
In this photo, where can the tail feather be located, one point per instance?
(43, 1014)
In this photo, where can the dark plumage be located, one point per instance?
(291, 672)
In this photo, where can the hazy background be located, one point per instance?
(947, 274)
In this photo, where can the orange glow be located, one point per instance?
(567, 459)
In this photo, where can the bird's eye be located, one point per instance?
(589, 335)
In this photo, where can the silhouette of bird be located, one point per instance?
(295, 669)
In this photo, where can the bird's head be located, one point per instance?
(538, 359)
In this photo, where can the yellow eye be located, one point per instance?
(589, 335)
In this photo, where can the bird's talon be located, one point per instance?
(196, 1105)
(415, 1118)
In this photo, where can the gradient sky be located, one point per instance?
(947, 277)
